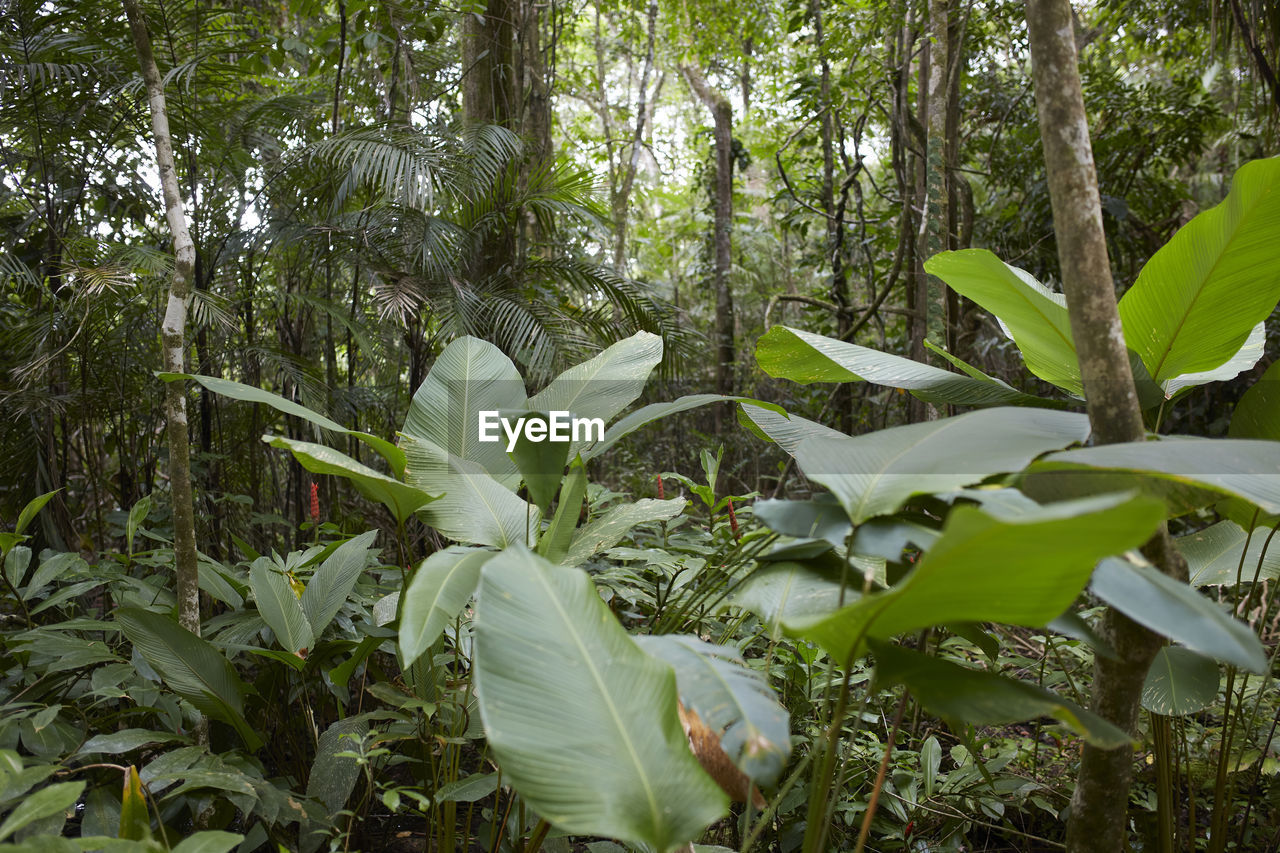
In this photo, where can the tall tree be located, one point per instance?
(722, 118)
(1099, 805)
(173, 330)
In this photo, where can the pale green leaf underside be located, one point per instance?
(614, 760)
(876, 473)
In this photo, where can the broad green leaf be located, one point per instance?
(240, 391)
(101, 816)
(137, 515)
(614, 760)
(209, 841)
(441, 587)
(190, 666)
(819, 518)
(1023, 570)
(784, 430)
(1180, 682)
(604, 532)
(16, 561)
(1196, 301)
(468, 377)
(1186, 465)
(333, 777)
(732, 699)
(126, 740)
(875, 473)
(960, 694)
(1245, 357)
(654, 411)
(804, 357)
(469, 790)
(791, 592)
(52, 800)
(541, 463)
(29, 511)
(1257, 415)
(333, 581)
(1177, 611)
(279, 607)
(554, 542)
(930, 763)
(603, 386)
(1034, 316)
(52, 569)
(401, 498)
(1213, 554)
(473, 506)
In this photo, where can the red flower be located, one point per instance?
(733, 522)
(660, 495)
(315, 503)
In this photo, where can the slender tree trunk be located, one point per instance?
(933, 224)
(173, 332)
(1100, 804)
(622, 198)
(722, 115)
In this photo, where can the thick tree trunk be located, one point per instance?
(1100, 803)
(722, 115)
(173, 332)
(488, 91)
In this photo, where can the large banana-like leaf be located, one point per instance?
(581, 721)
(279, 606)
(804, 357)
(606, 531)
(440, 588)
(654, 411)
(1178, 611)
(1214, 554)
(1187, 466)
(966, 695)
(1034, 316)
(784, 430)
(876, 473)
(473, 506)
(333, 581)
(731, 699)
(192, 668)
(605, 385)
(1021, 569)
(240, 391)
(1180, 682)
(790, 592)
(1246, 357)
(401, 498)
(1202, 293)
(468, 377)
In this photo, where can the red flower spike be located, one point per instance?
(661, 496)
(315, 503)
(733, 522)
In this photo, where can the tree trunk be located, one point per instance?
(173, 332)
(1100, 803)
(488, 94)
(933, 224)
(622, 198)
(722, 115)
